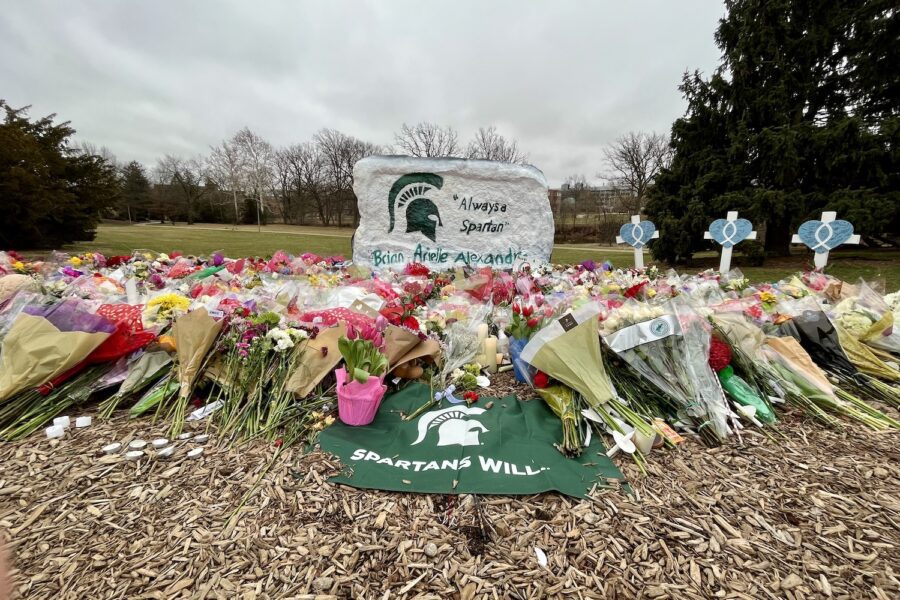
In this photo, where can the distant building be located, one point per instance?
(589, 199)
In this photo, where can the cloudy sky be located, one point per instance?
(562, 77)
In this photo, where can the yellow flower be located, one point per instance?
(18, 265)
(76, 262)
(170, 302)
(651, 292)
(329, 420)
(767, 298)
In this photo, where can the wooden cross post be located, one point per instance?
(728, 232)
(824, 236)
(637, 236)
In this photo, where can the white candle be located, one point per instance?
(55, 431)
(482, 332)
(490, 351)
(83, 422)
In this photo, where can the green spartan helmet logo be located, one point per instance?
(409, 193)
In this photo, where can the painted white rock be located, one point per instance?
(166, 452)
(446, 212)
(63, 422)
(160, 443)
(83, 422)
(137, 445)
(134, 454)
(202, 438)
(185, 436)
(112, 448)
(195, 453)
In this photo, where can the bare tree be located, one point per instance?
(285, 185)
(89, 149)
(187, 175)
(227, 169)
(340, 153)
(311, 174)
(635, 159)
(490, 145)
(427, 139)
(257, 156)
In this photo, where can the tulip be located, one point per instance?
(532, 322)
(517, 309)
(528, 310)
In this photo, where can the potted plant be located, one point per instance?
(360, 385)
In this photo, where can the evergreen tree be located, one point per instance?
(134, 195)
(49, 194)
(800, 116)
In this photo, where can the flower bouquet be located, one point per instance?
(669, 345)
(810, 326)
(526, 321)
(360, 386)
(195, 333)
(252, 366)
(45, 342)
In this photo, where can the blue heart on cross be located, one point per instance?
(637, 235)
(822, 237)
(730, 233)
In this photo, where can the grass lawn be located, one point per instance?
(849, 264)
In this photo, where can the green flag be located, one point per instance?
(452, 449)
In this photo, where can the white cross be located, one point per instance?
(729, 231)
(821, 258)
(638, 252)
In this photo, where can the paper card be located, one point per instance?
(667, 432)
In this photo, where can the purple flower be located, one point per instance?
(607, 266)
(218, 259)
(589, 265)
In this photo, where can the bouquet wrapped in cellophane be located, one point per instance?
(856, 370)
(44, 342)
(668, 344)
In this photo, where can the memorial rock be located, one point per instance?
(447, 212)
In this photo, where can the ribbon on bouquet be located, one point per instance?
(447, 395)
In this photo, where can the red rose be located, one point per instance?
(279, 443)
(635, 289)
(470, 397)
(393, 314)
(719, 354)
(541, 380)
(411, 323)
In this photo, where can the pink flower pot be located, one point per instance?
(358, 402)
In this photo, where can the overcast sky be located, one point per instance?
(563, 77)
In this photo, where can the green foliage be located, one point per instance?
(49, 194)
(267, 318)
(362, 358)
(134, 192)
(754, 251)
(803, 114)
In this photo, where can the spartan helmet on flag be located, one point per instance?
(408, 196)
(453, 425)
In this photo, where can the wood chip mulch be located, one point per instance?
(812, 513)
